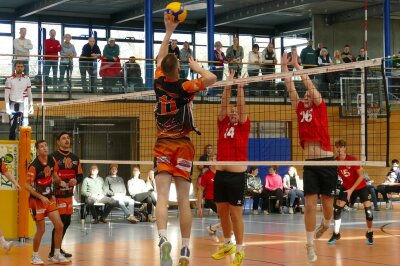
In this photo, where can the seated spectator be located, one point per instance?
(254, 187)
(134, 75)
(324, 59)
(361, 55)
(273, 186)
(293, 187)
(337, 57)
(92, 190)
(114, 187)
(391, 183)
(151, 183)
(139, 192)
(218, 68)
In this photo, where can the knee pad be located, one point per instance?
(337, 212)
(369, 216)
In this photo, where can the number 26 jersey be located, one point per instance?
(313, 125)
(233, 140)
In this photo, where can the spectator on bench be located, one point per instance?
(254, 187)
(139, 192)
(293, 187)
(273, 186)
(389, 186)
(114, 187)
(92, 190)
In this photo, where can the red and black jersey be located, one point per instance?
(174, 109)
(69, 167)
(349, 174)
(40, 175)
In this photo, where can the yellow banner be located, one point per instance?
(9, 154)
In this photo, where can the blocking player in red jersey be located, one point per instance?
(7, 245)
(70, 171)
(230, 181)
(354, 185)
(41, 174)
(314, 139)
(207, 185)
(173, 150)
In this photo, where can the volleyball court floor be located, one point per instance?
(273, 239)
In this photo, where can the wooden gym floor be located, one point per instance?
(270, 240)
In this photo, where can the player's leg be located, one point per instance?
(369, 216)
(185, 217)
(163, 183)
(337, 212)
(212, 229)
(6, 245)
(55, 218)
(37, 238)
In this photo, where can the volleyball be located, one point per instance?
(177, 11)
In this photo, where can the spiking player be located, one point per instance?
(354, 185)
(173, 150)
(314, 137)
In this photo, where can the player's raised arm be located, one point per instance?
(170, 26)
(315, 94)
(241, 104)
(226, 97)
(208, 78)
(293, 95)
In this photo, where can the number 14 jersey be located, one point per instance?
(233, 140)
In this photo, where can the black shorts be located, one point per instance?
(362, 193)
(320, 179)
(210, 204)
(229, 187)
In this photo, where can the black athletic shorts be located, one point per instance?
(320, 179)
(362, 193)
(229, 187)
(210, 204)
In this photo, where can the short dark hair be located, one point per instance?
(19, 62)
(252, 168)
(275, 167)
(395, 161)
(341, 143)
(169, 64)
(37, 143)
(61, 134)
(256, 46)
(346, 45)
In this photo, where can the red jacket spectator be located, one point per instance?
(51, 47)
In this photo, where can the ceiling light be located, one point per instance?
(198, 6)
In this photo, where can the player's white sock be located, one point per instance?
(56, 251)
(227, 241)
(369, 230)
(2, 240)
(239, 248)
(337, 226)
(185, 242)
(162, 233)
(310, 238)
(215, 227)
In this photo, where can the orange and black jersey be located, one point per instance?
(40, 175)
(69, 167)
(3, 166)
(173, 110)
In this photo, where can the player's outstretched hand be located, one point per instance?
(170, 23)
(284, 59)
(17, 186)
(194, 65)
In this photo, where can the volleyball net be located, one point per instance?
(121, 128)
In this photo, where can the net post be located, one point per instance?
(363, 156)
